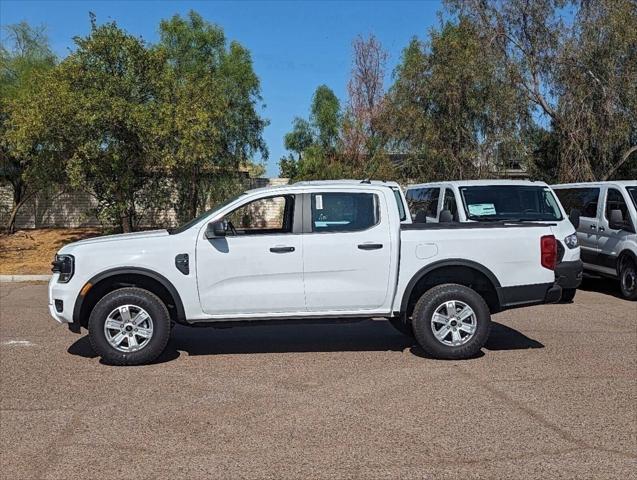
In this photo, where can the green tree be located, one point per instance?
(114, 80)
(451, 111)
(316, 142)
(580, 74)
(209, 125)
(25, 59)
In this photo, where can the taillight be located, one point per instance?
(548, 251)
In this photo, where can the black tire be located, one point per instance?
(136, 297)
(402, 327)
(568, 294)
(628, 278)
(427, 305)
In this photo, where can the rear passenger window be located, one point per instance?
(344, 212)
(583, 199)
(423, 203)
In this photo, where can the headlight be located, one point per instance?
(571, 241)
(65, 266)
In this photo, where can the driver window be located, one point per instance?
(263, 216)
(615, 201)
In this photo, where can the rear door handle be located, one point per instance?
(370, 246)
(282, 249)
(593, 227)
(601, 229)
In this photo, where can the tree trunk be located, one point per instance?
(616, 167)
(19, 199)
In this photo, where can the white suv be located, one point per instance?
(606, 233)
(471, 201)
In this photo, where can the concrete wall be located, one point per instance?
(72, 209)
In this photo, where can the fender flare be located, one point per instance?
(451, 262)
(179, 306)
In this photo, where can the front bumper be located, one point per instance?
(64, 292)
(569, 274)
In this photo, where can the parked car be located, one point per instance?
(606, 231)
(319, 250)
(503, 200)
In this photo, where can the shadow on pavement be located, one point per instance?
(367, 335)
(604, 285)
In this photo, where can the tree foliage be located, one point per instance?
(209, 125)
(140, 127)
(25, 60)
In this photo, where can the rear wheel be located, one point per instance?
(628, 278)
(568, 294)
(129, 326)
(451, 321)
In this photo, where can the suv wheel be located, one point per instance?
(451, 321)
(129, 326)
(628, 278)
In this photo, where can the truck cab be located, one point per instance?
(606, 233)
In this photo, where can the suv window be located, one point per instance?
(449, 203)
(263, 216)
(344, 212)
(583, 199)
(615, 201)
(510, 202)
(423, 202)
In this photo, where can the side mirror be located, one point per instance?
(216, 229)
(446, 216)
(574, 217)
(616, 220)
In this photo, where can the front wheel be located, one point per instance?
(129, 326)
(451, 321)
(628, 279)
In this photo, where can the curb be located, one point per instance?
(24, 278)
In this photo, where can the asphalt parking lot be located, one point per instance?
(553, 395)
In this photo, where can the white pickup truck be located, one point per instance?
(338, 250)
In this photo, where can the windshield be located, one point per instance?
(196, 220)
(633, 194)
(510, 202)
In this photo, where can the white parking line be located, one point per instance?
(18, 343)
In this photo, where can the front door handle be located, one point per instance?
(601, 229)
(593, 227)
(282, 249)
(370, 246)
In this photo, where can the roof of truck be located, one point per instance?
(329, 183)
(473, 183)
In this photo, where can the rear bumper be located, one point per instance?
(524, 295)
(569, 274)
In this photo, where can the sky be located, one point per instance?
(296, 46)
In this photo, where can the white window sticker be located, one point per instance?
(482, 209)
(319, 202)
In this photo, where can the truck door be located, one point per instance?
(258, 266)
(347, 251)
(610, 240)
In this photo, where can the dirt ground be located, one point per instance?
(551, 396)
(31, 251)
